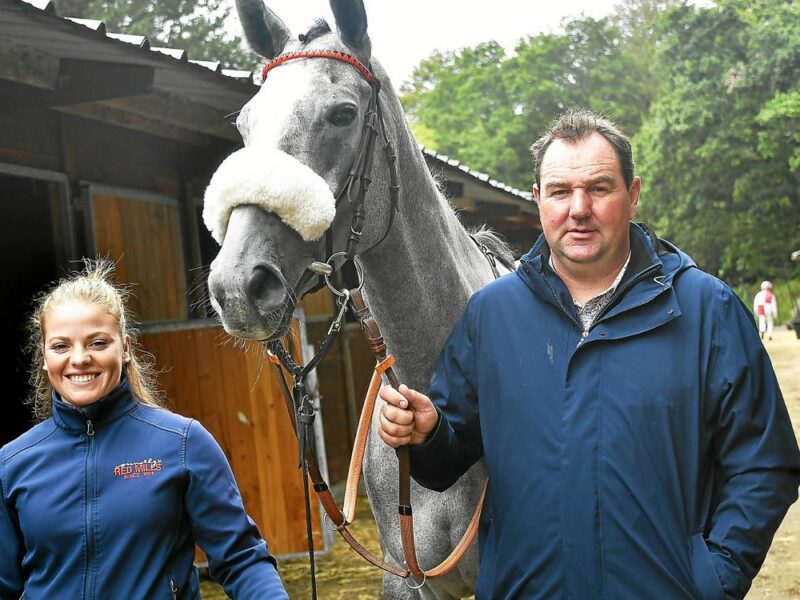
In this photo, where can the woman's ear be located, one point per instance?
(126, 349)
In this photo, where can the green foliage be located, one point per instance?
(462, 101)
(486, 107)
(195, 27)
(718, 153)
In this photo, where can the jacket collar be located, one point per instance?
(645, 248)
(117, 403)
(649, 254)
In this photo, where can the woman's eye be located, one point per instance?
(58, 348)
(99, 344)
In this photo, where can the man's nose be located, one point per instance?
(581, 204)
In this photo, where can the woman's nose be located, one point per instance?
(79, 356)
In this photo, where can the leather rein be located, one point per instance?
(298, 402)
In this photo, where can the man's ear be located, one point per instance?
(633, 193)
(535, 191)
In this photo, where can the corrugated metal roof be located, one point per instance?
(483, 177)
(35, 24)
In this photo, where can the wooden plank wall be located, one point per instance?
(143, 237)
(235, 394)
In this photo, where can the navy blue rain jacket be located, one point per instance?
(652, 459)
(108, 502)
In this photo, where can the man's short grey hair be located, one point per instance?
(577, 125)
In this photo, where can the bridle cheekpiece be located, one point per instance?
(354, 188)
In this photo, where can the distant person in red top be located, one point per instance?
(765, 307)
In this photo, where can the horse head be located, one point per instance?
(278, 202)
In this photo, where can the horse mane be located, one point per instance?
(481, 234)
(496, 245)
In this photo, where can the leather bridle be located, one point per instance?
(355, 187)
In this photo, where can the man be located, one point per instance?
(765, 306)
(635, 437)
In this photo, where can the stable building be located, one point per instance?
(106, 146)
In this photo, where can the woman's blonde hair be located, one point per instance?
(92, 285)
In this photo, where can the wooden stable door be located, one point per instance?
(141, 233)
(234, 393)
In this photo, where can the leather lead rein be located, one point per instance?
(297, 404)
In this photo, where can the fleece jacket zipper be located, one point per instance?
(89, 494)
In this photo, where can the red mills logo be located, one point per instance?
(143, 468)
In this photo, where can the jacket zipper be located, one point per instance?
(619, 291)
(88, 592)
(564, 310)
(174, 589)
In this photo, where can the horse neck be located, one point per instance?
(418, 280)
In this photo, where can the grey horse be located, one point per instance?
(420, 266)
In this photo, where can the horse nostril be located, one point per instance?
(264, 285)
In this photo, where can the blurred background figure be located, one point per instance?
(765, 307)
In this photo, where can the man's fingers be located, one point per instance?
(397, 415)
(395, 429)
(404, 397)
(392, 433)
(392, 441)
(392, 396)
(416, 400)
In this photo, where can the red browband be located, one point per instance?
(278, 61)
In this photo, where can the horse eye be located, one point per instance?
(342, 115)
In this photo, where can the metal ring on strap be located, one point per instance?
(359, 273)
(329, 525)
(416, 587)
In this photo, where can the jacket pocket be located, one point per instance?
(704, 573)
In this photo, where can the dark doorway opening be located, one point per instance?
(29, 261)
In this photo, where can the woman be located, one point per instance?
(107, 495)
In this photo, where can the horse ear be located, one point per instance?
(265, 32)
(351, 21)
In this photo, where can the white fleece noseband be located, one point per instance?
(275, 181)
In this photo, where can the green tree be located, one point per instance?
(715, 154)
(460, 100)
(486, 107)
(198, 28)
